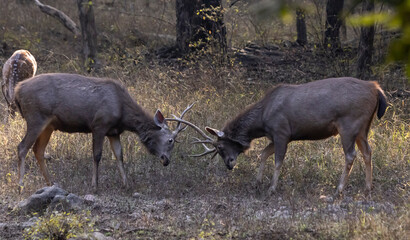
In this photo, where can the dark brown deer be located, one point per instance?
(311, 111)
(74, 103)
(21, 65)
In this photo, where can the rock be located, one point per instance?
(53, 197)
(89, 198)
(75, 201)
(137, 195)
(67, 203)
(40, 200)
(92, 236)
(30, 222)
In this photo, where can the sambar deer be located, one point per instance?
(74, 103)
(311, 111)
(21, 65)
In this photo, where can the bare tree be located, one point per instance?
(301, 27)
(199, 23)
(88, 33)
(333, 22)
(365, 50)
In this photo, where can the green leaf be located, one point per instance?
(369, 19)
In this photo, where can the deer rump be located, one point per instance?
(21, 65)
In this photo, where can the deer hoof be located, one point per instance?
(338, 195)
(20, 188)
(271, 191)
(258, 188)
(367, 194)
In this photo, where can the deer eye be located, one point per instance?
(170, 141)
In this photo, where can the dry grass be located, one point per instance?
(200, 198)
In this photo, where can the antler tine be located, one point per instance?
(197, 140)
(207, 139)
(186, 110)
(176, 119)
(178, 128)
(207, 150)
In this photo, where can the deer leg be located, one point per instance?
(348, 143)
(98, 141)
(366, 151)
(39, 148)
(269, 150)
(33, 131)
(280, 151)
(117, 150)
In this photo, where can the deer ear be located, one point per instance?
(215, 132)
(159, 118)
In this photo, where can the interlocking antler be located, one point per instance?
(207, 140)
(179, 128)
(207, 150)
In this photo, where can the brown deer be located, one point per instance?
(21, 65)
(74, 103)
(311, 111)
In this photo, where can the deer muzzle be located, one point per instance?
(164, 160)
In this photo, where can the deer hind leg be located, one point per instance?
(98, 141)
(117, 150)
(348, 142)
(39, 148)
(366, 151)
(280, 151)
(34, 128)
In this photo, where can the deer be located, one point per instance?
(21, 65)
(79, 104)
(311, 111)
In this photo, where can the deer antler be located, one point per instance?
(207, 150)
(207, 140)
(179, 128)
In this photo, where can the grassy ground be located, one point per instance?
(200, 198)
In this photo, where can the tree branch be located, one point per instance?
(62, 17)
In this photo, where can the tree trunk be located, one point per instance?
(333, 22)
(199, 24)
(301, 27)
(88, 33)
(365, 50)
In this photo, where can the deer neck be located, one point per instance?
(136, 119)
(246, 126)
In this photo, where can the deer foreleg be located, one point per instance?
(280, 151)
(117, 150)
(269, 150)
(98, 141)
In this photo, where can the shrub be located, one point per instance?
(60, 225)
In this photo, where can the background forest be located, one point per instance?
(222, 55)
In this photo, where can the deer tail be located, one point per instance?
(382, 104)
